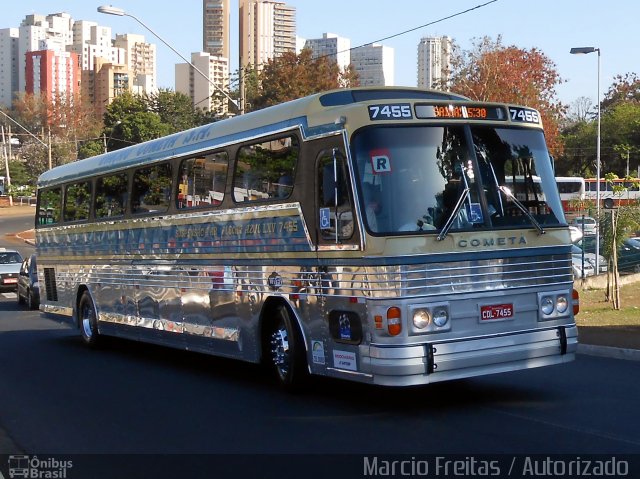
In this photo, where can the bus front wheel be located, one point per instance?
(88, 320)
(286, 354)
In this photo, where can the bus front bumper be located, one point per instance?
(442, 361)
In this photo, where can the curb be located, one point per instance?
(29, 241)
(609, 352)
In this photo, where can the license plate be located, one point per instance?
(10, 280)
(496, 311)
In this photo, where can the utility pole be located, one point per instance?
(6, 165)
(49, 135)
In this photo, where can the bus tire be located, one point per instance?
(608, 203)
(88, 320)
(285, 351)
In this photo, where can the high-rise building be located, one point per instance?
(374, 64)
(52, 73)
(434, 62)
(8, 65)
(332, 46)
(216, 36)
(140, 58)
(267, 29)
(110, 81)
(204, 91)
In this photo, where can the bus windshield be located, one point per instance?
(424, 178)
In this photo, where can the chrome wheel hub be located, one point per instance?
(280, 350)
(86, 323)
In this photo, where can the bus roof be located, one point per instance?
(313, 115)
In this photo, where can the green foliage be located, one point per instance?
(128, 121)
(90, 148)
(20, 175)
(620, 133)
(174, 109)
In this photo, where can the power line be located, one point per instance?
(448, 17)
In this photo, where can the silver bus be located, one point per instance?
(369, 234)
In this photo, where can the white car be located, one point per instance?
(589, 258)
(576, 266)
(585, 224)
(10, 263)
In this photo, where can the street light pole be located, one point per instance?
(579, 51)
(110, 10)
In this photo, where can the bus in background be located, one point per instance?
(613, 193)
(572, 191)
(2, 185)
(370, 234)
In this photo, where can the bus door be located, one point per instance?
(339, 277)
(335, 213)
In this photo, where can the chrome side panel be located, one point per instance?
(202, 282)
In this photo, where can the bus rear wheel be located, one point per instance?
(286, 353)
(88, 320)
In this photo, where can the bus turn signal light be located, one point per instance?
(576, 302)
(394, 321)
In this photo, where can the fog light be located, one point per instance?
(546, 305)
(440, 317)
(562, 304)
(421, 318)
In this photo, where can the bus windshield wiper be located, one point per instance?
(522, 208)
(454, 213)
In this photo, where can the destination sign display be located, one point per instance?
(461, 112)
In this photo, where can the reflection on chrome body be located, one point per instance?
(181, 300)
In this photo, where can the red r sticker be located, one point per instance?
(380, 161)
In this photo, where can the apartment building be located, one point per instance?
(434, 62)
(374, 64)
(267, 29)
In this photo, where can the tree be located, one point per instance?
(580, 110)
(65, 121)
(616, 225)
(174, 109)
(624, 89)
(290, 76)
(491, 71)
(128, 120)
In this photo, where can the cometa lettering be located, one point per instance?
(489, 242)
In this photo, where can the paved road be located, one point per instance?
(59, 397)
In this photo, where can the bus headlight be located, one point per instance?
(421, 318)
(429, 318)
(553, 305)
(546, 305)
(562, 304)
(440, 317)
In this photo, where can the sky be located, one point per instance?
(552, 26)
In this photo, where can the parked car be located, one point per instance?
(629, 256)
(586, 224)
(28, 285)
(628, 253)
(576, 253)
(578, 270)
(10, 261)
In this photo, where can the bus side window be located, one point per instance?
(49, 206)
(336, 217)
